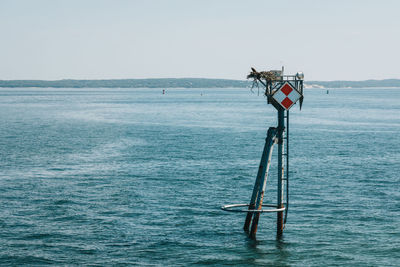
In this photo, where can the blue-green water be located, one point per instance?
(131, 176)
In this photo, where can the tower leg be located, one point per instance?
(259, 187)
(260, 196)
(281, 128)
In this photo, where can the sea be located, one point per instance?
(135, 177)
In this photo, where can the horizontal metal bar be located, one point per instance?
(231, 207)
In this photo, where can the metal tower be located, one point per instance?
(282, 91)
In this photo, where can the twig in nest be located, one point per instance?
(262, 75)
(254, 84)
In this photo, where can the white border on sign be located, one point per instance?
(279, 90)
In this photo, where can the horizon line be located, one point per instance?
(181, 78)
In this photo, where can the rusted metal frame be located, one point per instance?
(260, 175)
(271, 140)
(281, 128)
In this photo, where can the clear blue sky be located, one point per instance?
(95, 39)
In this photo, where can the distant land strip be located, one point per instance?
(185, 83)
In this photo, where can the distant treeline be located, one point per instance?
(184, 83)
(356, 84)
(129, 83)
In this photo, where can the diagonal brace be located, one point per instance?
(259, 186)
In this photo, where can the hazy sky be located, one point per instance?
(327, 40)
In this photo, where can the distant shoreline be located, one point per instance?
(185, 83)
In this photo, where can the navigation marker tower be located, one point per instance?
(282, 91)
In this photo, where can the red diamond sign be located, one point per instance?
(286, 96)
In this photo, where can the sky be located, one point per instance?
(116, 39)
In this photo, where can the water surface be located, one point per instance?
(132, 176)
